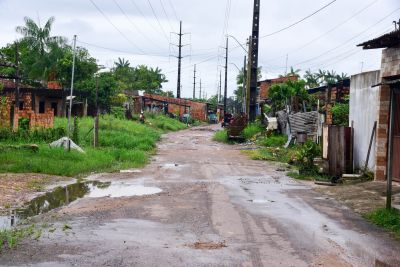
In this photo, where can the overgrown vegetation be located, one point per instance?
(388, 219)
(9, 238)
(123, 144)
(221, 136)
(340, 112)
(252, 130)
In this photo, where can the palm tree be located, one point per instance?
(122, 63)
(37, 38)
(44, 50)
(311, 79)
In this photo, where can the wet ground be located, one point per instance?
(200, 203)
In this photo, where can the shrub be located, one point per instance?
(305, 157)
(340, 112)
(221, 136)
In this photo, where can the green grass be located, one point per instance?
(123, 144)
(273, 141)
(388, 219)
(221, 136)
(10, 238)
(252, 130)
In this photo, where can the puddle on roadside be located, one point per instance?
(64, 195)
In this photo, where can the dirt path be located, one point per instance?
(217, 208)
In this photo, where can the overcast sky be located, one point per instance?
(326, 40)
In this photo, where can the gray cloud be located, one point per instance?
(205, 20)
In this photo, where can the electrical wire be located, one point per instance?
(166, 15)
(174, 10)
(347, 41)
(115, 27)
(158, 21)
(134, 24)
(327, 32)
(299, 21)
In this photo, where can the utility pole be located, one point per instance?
(248, 78)
(226, 74)
(244, 85)
(17, 78)
(200, 90)
(178, 93)
(254, 61)
(194, 82)
(96, 120)
(220, 87)
(72, 92)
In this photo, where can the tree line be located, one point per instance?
(46, 58)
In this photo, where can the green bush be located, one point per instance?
(118, 112)
(252, 130)
(340, 113)
(305, 156)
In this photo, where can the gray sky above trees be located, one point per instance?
(326, 40)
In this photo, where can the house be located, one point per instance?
(39, 105)
(386, 106)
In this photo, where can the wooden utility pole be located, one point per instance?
(390, 149)
(194, 82)
(254, 61)
(178, 90)
(226, 74)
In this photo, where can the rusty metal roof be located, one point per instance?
(391, 39)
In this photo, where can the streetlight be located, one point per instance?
(237, 41)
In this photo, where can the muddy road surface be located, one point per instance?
(200, 203)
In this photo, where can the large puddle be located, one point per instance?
(64, 195)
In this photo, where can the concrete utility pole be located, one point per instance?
(96, 120)
(17, 79)
(194, 82)
(178, 93)
(254, 61)
(72, 90)
(220, 87)
(226, 74)
(248, 78)
(200, 90)
(244, 85)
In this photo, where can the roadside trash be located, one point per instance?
(65, 142)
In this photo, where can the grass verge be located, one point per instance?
(388, 219)
(123, 144)
(222, 137)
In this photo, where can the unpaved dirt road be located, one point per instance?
(217, 208)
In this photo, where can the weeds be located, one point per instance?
(221, 136)
(388, 219)
(252, 130)
(273, 141)
(9, 238)
(123, 144)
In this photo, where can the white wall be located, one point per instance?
(364, 112)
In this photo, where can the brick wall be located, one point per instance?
(177, 106)
(266, 85)
(5, 105)
(389, 69)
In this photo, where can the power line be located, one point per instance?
(329, 31)
(174, 10)
(115, 27)
(134, 24)
(158, 21)
(166, 15)
(349, 40)
(122, 51)
(299, 21)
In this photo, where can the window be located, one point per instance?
(41, 106)
(21, 105)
